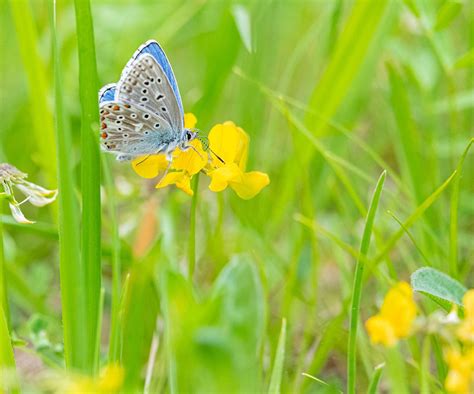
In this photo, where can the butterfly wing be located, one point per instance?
(153, 48)
(107, 93)
(146, 85)
(130, 131)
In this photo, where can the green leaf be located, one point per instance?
(220, 336)
(438, 286)
(448, 12)
(277, 372)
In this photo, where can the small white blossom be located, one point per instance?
(10, 178)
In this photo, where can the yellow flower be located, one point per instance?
(395, 318)
(109, 381)
(229, 145)
(461, 371)
(184, 165)
(226, 166)
(465, 331)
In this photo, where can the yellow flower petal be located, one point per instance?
(461, 371)
(111, 379)
(468, 303)
(230, 143)
(178, 178)
(252, 183)
(399, 308)
(190, 120)
(381, 331)
(150, 166)
(465, 332)
(189, 160)
(221, 177)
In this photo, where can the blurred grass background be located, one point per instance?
(331, 93)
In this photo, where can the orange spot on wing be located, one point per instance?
(103, 126)
(104, 135)
(115, 107)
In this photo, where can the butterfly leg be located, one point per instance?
(124, 157)
(169, 157)
(193, 148)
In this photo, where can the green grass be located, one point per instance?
(265, 295)
(357, 288)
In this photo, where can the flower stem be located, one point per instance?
(3, 282)
(357, 287)
(192, 229)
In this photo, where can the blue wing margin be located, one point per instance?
(107, 93)
(154, 49)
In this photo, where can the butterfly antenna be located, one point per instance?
(205, 142)
(142, 161)
(215, 154)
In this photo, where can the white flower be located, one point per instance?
(11, 177)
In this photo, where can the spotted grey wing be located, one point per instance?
(146, 85)
(130, 131)
(154, 49)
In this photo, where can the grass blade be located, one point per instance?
(277, 372)
(90, 170)
(347, 59)
(114, 340)
(43, 125)
(7, 359)
(374, 381)
(72, 284)
(453, 224)
(357, 288)
(411, 219)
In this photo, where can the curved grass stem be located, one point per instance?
(357, 287)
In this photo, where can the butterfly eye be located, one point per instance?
(189, 135)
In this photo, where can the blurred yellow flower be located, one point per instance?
(110, 381)
(395, 318)
(460, 376)
(229, 145)
(465, 331)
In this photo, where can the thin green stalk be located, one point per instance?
(374, 381)
(357, 288)
(425, 366)
(192, 229)
(453, 224)
(397, 373)
(116, 264)
(7, 359)
(99, 330)
(90, 171)
(277, 372)
(71, 278)
(3, 282)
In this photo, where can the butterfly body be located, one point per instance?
(142, 114)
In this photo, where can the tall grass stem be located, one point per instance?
(90, 171)
(357, 287)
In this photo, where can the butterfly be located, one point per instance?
(142, 114)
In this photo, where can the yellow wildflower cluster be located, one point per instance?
(109, 381)
(395, 318)
(225, 163)
(460, 360)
